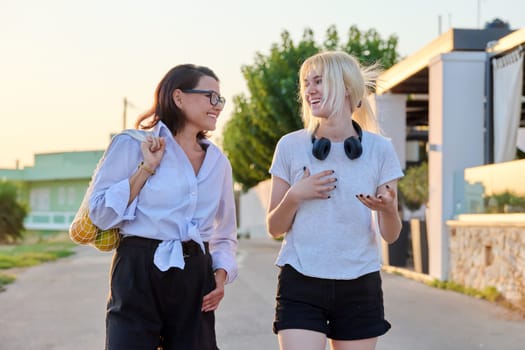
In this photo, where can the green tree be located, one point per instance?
(273, 109)
(12, 213)
(370, 48)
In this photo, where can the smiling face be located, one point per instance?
(196, 104)
(314, 90)
(328, 83)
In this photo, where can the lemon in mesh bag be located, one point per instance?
(82, 229)
(107, 240)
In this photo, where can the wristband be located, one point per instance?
(146, 168)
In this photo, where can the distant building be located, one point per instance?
(54, 187)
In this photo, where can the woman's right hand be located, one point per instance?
(285, 200)
(317, 186)
(153, 150)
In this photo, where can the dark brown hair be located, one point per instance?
(184, 76)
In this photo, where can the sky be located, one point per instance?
(67, 65)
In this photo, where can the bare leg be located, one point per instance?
(301, 339)
(361, 344)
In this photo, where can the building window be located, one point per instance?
(71, 196)
(61, 195)
(40, 199)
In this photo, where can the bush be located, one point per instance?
(12, 213)
(413, 187)
(505, 202)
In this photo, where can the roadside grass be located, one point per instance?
(34, 249)
(489, 293)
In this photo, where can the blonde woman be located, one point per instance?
(326, 180)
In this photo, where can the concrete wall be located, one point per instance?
(489, 254)
(456, 117)
(252, 210)
(390, 110)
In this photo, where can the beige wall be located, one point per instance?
(252, 210)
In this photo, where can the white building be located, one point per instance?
(452, 95)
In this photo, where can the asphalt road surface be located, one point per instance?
(61, 305)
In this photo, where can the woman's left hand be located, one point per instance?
(384, 200)
(211, 301)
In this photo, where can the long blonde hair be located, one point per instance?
(341, 73)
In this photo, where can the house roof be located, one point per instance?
(410, 76)
(508, 42)
(57, 166)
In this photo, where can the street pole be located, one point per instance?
(124, 113)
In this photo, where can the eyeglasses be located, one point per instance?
(215, 98)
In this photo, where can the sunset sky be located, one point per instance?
(66, 65)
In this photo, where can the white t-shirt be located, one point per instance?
(334, 238)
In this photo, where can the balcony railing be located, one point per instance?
(49, 220)
(491, 189)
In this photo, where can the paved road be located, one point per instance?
(60, 305)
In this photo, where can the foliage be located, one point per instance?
(370, 48)
(273, 109)
(30, 254)
(488, 293)
(413, 187)
(12, 213)
(25, 255)
(5, 279)
(520, 154)
(505, 202)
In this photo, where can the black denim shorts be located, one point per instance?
(341, 309)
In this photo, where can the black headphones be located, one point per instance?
(353, 147)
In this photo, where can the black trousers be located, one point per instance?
(148, 308)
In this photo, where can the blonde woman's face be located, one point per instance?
(314, 93)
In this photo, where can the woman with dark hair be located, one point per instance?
(171, 196)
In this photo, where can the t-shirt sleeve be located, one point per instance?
(280, 164)
(390, 166)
